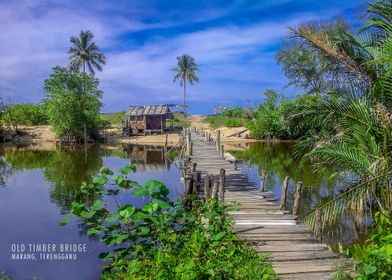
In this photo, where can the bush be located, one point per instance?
(163, 239)
(373, 260)
(24, 114)
(237, 112)
(72, 103)
(233, 122)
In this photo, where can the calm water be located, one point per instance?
(37, 187)
(318, 188)
(36, 190)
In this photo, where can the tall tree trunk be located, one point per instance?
(84, 123)
(184, 97)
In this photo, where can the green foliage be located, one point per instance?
(161, 239)
(266, 118)
(24, 114)
(233, 122)
(72, 101)
(4, 276)
(235, 117)
(307, 69)
(113, 118)
(179, 121)
(236, 112)
(373, 260)
(355, 115)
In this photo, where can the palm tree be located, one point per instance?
(358, 117)
(185, 71)
(85, 53)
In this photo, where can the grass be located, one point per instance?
(220, 120)
(179, 121)
(114, 118)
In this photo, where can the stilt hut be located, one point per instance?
(142, 120)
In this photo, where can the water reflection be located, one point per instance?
(277, 159)
(38, 186)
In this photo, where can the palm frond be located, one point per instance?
(353, 197)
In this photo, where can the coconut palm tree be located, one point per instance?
(185, 71)
(359, 115)
(84, 53)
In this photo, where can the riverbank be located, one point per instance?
(43, 135)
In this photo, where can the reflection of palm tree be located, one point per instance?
(186, 72)
(359, 118)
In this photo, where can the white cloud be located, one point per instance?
(234, 60)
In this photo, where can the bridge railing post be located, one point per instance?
(262, 181)
(217, 143)
(297, 199)
(318, 228)
(222, 185)
(283, 196)
(215, 187)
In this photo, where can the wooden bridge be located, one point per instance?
(293, 250)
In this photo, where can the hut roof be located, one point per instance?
(148, 110)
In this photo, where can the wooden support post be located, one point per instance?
(297, 198)
(318, 227)
(189, 145)
(262, 181)
(222, 175)
(215, 187)
(165, 148)
(283, 197)
(194, 164)
(222, 151)
(218, 145)
(207, 186)
(235, 164)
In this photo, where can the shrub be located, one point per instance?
(237, 112)
(233, 122)
(373, 260)
(24, 114)
(162, 239)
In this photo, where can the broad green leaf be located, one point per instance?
(369, 269)
(98, 204)
(87, 215)
(127, 169)
(65, 220)
(219, 235)
(153, 185)
(92, 231)
(143, 230)
(140, 192)
(106, 171)
(100, 180)
(126, 211)
(112, 218)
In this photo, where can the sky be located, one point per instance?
(233, 42)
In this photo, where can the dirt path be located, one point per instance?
(198, 122)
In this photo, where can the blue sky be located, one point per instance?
(234, 43)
